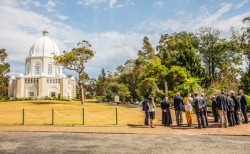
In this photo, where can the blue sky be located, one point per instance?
(115, 28)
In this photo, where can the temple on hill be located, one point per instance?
(42, 77)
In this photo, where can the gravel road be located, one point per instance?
(30, 142)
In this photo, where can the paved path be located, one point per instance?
(30, 142)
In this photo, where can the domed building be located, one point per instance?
(42, 77)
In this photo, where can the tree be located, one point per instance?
(129, 73)
(101, 84)
(147, 52)
(148, 87)
(75, 60)
(191, 85)
(154, 69)
(176, 76)
(245, 45)
(4, 70)
(216, 52)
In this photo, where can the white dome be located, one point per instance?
(44, 46)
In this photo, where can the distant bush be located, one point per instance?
(209, 103)
(248, 102)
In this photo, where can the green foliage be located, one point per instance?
(248, 101)
(154, 69)
(180, 49)
(244, 40)
(75, 60)
(209, 103)
(148, 87)
(4, 78)
(191, 85)
(186, 62)
(217, 52)
(176, 76)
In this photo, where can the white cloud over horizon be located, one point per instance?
(21, 27)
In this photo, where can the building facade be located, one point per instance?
(42, 77)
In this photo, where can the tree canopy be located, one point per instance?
(75, 60)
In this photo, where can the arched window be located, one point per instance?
(50, 69)
(27, 68)
(53, 92)
(37, 68)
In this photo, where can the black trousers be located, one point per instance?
(200, 119)
(216, 114)
(205, 117)
(146, 118)
(236, 116)
(230, 117)
(244, 112)
(166, 118)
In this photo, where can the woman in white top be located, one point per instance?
(188, 100)
(151, 110)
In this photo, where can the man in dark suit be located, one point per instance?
(230, 111)
(205, 108)
(178, 106)
(145, 109)
(222, 109)
(215, 109)
(198, 103)
(243, 103)
(236, 108)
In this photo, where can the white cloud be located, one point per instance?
(192, 23)
(110, 3)
(158, 3)
(62, 17)
(50, 5)
(20, 28)
(241, 4)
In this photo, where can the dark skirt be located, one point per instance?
(152, 115)
(166, 118)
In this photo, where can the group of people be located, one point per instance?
(225, 108)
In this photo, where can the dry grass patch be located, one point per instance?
(39, 112)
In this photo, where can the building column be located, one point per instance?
(63, 87)
(41, 89)
(20, 91)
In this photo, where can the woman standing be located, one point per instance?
(151, 110)
(166, 115)
(188, 109)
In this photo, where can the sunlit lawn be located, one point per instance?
(39, 112)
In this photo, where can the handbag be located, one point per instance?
(188, 107)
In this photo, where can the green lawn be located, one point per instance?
(39, 112)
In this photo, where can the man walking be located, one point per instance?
(243, 103)
(198, 103)
(178, 106)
